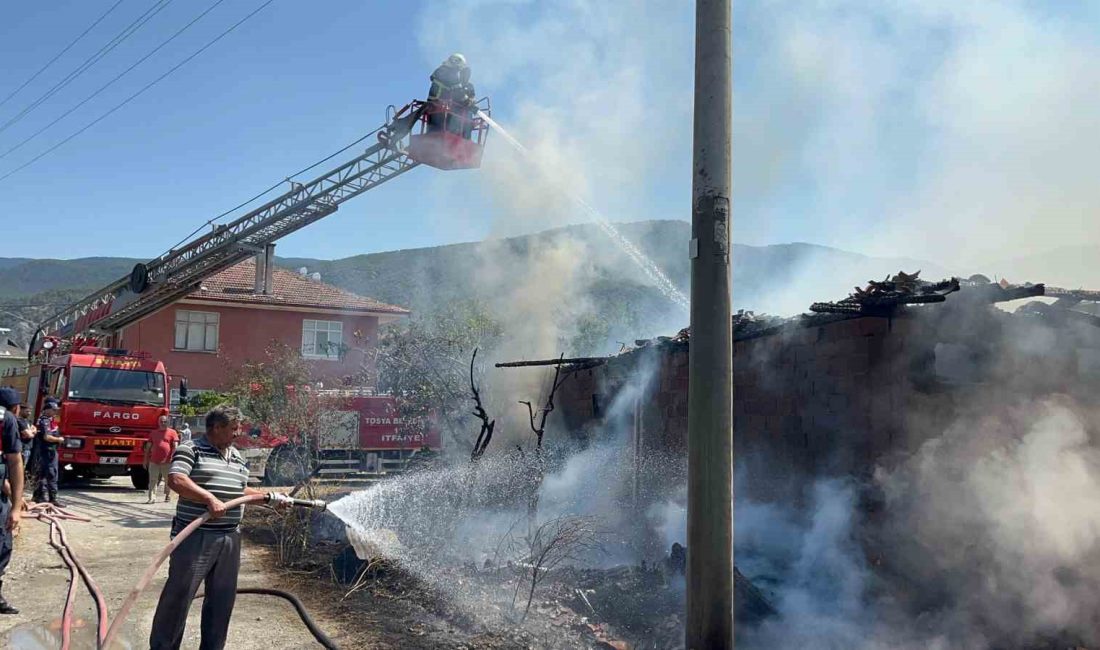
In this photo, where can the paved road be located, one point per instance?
(116, 547)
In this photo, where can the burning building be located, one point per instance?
(853, 383)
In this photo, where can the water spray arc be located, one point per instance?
(648, 266)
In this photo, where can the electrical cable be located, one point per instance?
(111, 82)
(212, 220)
(136, 94)
(59, 54)
(126, 33)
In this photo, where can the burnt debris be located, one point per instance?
(882, 298)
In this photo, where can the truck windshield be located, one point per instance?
(111, 386)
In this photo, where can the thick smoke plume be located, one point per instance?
(894, 128)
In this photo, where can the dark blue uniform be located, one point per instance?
(23, 424)
(46, 468)
(10, 444)
(451, 85)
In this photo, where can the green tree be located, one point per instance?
(425, 363)
(199, 404)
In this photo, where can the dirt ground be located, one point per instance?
(116, 547)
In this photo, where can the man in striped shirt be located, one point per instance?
(205, 473)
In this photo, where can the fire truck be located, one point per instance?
(110, 400)
(362, 436)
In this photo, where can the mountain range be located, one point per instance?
(578, 267)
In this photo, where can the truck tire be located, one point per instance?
(139, 476)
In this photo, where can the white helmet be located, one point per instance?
(457, 60)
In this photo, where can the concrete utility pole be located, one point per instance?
(709, 624)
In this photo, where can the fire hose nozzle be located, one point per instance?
(276, 497)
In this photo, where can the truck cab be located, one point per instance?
(110, 401)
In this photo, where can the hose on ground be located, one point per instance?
(308, 621)
(54, 515)
(151, 570)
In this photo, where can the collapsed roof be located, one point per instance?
(881, 298)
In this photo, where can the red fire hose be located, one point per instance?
(151, 570)
(53, 515)
(105, 634)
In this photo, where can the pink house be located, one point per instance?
(235, 315)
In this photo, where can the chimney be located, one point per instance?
(269, 269)
(261, 273)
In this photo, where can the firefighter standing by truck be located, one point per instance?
(11, 475)
(47, 440)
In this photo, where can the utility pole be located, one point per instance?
(709, 623)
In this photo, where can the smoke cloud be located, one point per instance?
(878, 127)
(961, 133)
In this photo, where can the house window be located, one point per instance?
(196, 331)
(322, 339)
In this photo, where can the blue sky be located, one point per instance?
(901, 128)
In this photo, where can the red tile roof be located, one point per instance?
(235, 284)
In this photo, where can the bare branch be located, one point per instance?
(487, 425)
(553, 543)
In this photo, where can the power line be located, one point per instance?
(59, 54)
(112, 81)
(301, 171)
(135, 95)
(126, 33)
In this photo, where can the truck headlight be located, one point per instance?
(73, 443)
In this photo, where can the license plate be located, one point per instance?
(112, 460)
(113, 442)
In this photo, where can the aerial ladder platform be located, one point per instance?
(408, 139)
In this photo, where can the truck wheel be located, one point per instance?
(139, 476)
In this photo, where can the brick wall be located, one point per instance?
(245, 333)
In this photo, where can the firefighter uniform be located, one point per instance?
(9, 444)
(46, 471)
(451, 87)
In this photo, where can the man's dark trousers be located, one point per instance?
(7, 542)
(47, 477)
(206, 556)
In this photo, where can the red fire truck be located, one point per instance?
(363, 436)
(110, 401)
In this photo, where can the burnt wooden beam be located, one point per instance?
(1080, 295)
(552, 362)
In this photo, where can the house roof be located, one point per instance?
(290, 289)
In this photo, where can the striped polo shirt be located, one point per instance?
(223, 475)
